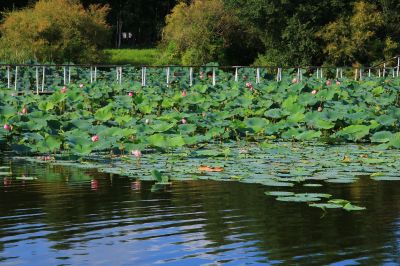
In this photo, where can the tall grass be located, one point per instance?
(132, 56)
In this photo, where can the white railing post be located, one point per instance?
(384, 69)
(168, 73)
(191, 76)
(37, 80)
(8, 77)
(43, 78)
(95, 73)
(213, 77)
(16, 77)
(236, 74)
(65, 76)
(257, 75)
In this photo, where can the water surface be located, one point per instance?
(71, 216)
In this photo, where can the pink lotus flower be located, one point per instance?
(244, 77)
(328, 82)
(24, 110)
(130, 94)
(184, 93)
(7, 127)
(136, 185)
(294, 80)
(320, 109)
(314, 92)
(184, 121)
(95, 138)
(201, 76)
(337, 82)
(147, 121)
(63, 90)
(81, 85)
(94, 184)
(136, 153)
(249, 86)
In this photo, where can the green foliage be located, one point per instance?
(55, 31)
(198, 33)
(352, 39)
(132, 56)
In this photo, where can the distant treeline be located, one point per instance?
(262, 32)
(143, 18)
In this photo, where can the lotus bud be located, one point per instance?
(95, 138)
(137, 153)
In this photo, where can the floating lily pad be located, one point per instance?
(279, 193)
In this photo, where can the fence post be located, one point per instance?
(65, 76)
(369, 72)
(117, 74)
(379, 72)
(143, 76)
(191, 76)
(317, 72)
(341, 73)
(168, 70)
(120, 75)
(69, 75)
(8, 77)
(257, 75)
(337, 73)
(361, 77)
(44, 71)
(37, 80)
(384, 69)
(95, 74)
(91, 74)
(321, 73)
(398, 65)
(236, 74)
(16, 77)
(355, 75)
(213, 77)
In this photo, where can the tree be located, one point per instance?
(199, 33)
(352, 39)
(55, 31)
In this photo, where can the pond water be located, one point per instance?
(70, 216)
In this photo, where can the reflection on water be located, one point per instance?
(76, 217)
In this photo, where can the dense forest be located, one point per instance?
(263, 32)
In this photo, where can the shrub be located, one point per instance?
(54, 31)
(197, 33)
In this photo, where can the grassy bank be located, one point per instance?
(147, 56)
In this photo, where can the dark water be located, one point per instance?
(80, 217)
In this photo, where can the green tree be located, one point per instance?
(55, 31)
(353, 39)
(198, 33)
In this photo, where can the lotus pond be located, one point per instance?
(313, 153)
